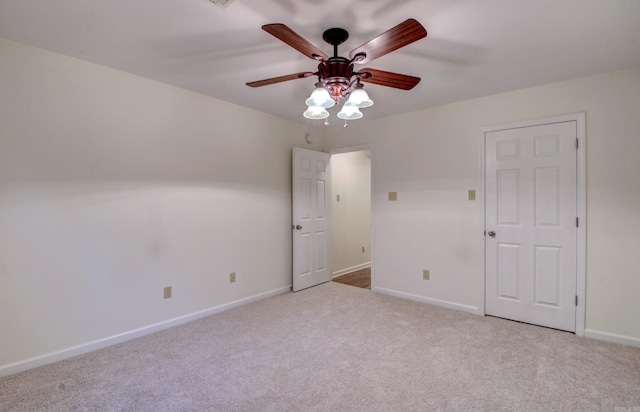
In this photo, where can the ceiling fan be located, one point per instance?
(337, 76)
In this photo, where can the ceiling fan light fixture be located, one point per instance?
(350, 112)
(337, 78)
(320, 97)
(316, 112)
(360, 98)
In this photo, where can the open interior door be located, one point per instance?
(311, 218)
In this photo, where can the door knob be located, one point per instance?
(298, 227)
(491, 233)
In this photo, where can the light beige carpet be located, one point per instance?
(339, 348)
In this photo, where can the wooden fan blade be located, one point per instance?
(280, 79)
(389, 79)
(294, 40)
(401, 35)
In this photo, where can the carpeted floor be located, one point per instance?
(360, 278)
(339, 348)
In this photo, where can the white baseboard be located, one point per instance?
(431, 301)
(612, 337)
(37, 361)
(588, 333)
(351, 269)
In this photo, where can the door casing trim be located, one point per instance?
(580, 119)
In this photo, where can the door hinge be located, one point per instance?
(576, 300)
(577, 222)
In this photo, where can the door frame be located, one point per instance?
(580, 119)
(358, 148)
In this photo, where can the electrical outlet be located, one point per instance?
(425, 274)
(472, 195)
(362, 249)
(167, 292)
(232, 277)
(337, 198)
(393, 196)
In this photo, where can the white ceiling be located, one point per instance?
(474, 47)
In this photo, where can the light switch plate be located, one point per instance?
(472, 195)
(426, 275)
(393, 196)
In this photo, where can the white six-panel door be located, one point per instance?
(530, 221)
(311, 218)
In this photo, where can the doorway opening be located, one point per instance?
(351, 208)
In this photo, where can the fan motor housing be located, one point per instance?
(335, 74)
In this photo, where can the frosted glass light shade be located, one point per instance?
(360, 98)
(320, 97)
(350, 112)
(316, 112)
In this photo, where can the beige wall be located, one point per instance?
(431, 159)
(351, 216)
(113, 187)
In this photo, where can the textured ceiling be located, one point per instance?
(474, 47)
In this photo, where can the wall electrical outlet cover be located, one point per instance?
(425, 274)
(232, 277)
(393, 196)
(167, 292)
